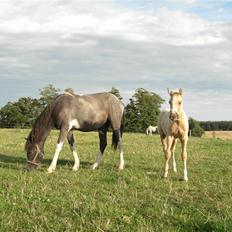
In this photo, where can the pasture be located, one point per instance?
(135, 199)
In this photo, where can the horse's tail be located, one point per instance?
(117, 134)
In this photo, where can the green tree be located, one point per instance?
(195, 128)
(21, 113)
(142, 110)
(132, 123)
(116, 92)
(48, 93)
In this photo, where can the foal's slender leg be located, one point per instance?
(173, 154)
(184, 157)
(103, 143)
(62, 136)
(73, 149)
(167, 155)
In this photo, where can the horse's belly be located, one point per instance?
(90, 126)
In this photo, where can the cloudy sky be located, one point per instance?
(92, 45)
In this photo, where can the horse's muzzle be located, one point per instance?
(30, 167)
(173, 115)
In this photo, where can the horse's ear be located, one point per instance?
(181, 91)
(169, 92)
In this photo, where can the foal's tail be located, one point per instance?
(117, 134)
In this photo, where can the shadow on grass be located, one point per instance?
(16, 162)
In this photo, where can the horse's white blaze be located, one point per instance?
(52, 166)
(74, 123)
(121, 165)
(98, 160)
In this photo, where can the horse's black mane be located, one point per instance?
(43, 119)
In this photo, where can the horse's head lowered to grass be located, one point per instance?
(34, 153)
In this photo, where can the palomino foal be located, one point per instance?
(173, 124)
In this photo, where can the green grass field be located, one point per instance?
(135, 199)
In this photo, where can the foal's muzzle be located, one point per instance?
(173, 115)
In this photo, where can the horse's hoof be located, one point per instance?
(75, 169)
(120, 168)
(50, 170)
(94, 166)
(165, 176)
(184, 179)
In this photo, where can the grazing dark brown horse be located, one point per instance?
(85, 113)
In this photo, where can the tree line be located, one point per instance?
(141, 111)
(216, 125)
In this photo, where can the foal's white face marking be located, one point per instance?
(74, 123)
(175, 103)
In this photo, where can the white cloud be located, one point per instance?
(107, 19)
(74, 43)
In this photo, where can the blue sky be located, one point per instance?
(93, 45)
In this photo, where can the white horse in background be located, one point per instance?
(151, 129)
(173, 124)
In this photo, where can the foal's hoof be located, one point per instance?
(75, 169)
(51, 170)
(94, 166)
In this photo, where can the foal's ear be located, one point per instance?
(181, 91)
(169, 92)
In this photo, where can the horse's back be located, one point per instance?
(91, 111)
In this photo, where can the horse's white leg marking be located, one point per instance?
(98, 160)
(73, 123)
(76, 158)
(174, 162)
(121, 165)
(52, 166)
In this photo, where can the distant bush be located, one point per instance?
(196, 129)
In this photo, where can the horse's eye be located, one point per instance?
(179, 103)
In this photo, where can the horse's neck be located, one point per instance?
(41, 132)
(177, 126)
